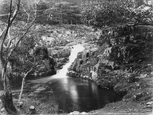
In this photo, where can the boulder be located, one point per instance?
(73, 74)
(60, 62)
(61, 53)
(32, 109)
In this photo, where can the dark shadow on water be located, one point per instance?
(73, 94)
(70, 94)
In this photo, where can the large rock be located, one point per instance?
(93, 64)
(59, 52)
(60, 62)
(85, 65)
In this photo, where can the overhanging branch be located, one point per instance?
(20, 38)
(5, 32)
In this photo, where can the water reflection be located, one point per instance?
(70, 87)
(74, 94)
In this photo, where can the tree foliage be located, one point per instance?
(67, 13)
(27, 10)
(110, 13)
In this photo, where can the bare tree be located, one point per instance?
(7, 46)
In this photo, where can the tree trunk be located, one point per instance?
(8, 103)
(23, 82)
(6, 98)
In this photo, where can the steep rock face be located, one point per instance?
(59, 52)
(60, 55)
(91, 63)
(43, 63)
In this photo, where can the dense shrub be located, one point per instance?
(41, 17)
(130, 45)
(106, 13)
(67, 13)
(110, 13)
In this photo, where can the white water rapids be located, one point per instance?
(62, 73)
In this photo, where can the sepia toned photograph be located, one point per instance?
(76, 57)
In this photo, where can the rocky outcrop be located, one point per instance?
(91, 64)
(95, 65)
(60, 54)
(51, 59)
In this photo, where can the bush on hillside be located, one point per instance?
(111, 13)
(130, 45)
(67, 13)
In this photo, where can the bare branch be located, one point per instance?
(26, 13)
(27, 30)
(23, 79)
(15, 12)
(10, 53)
(1, 15)
(10, 13)
(10, 21)
(9, 43)
(23, 82)
(9, 37)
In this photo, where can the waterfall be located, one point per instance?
(74, 52)
(62, 73)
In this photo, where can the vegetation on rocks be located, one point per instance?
(123, 60)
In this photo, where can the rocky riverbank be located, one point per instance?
(136, 87)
